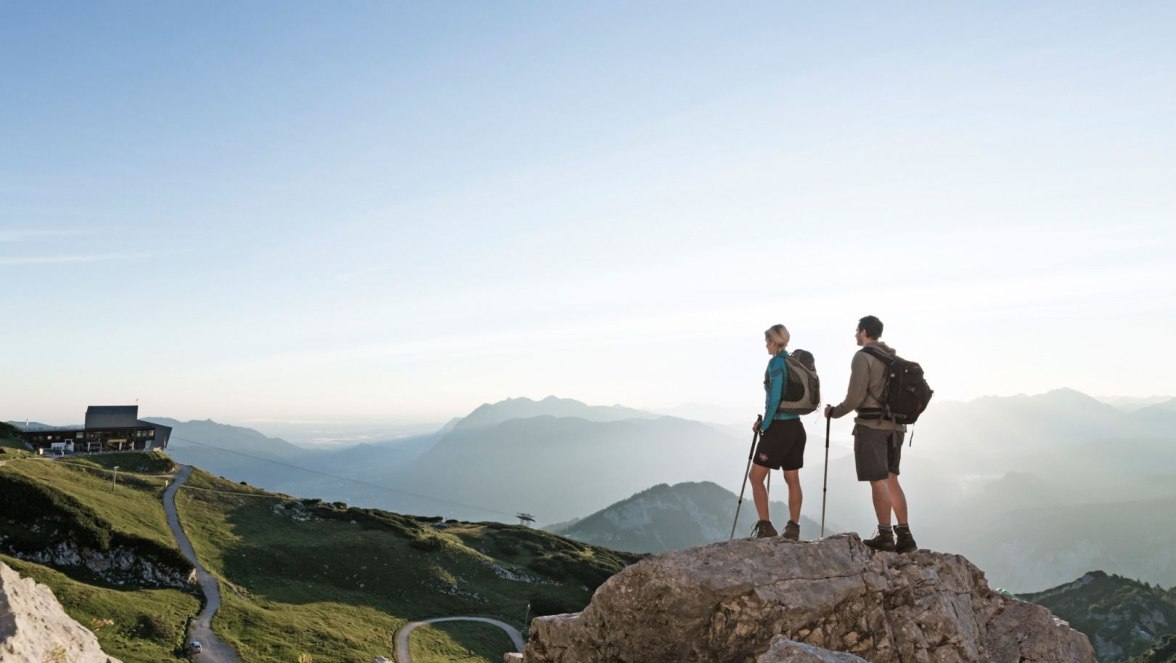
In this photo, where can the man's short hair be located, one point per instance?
(871, 325)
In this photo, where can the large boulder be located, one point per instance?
(34, 628)
(753, 601)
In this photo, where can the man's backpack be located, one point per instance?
(802, 394)
(906, 393)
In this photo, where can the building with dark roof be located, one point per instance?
(108, 428)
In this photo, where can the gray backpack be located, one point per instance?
(802, 394)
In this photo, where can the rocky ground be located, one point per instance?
(772, 600)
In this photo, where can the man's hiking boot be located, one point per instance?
(791, 531)
(883, 540)
(906, 542)
(763, 529)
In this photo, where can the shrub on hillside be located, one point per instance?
(8, 431)
(548, 566)
(428, 543)
(506, 547)
(155, 627)
(590, 571)
(404, 526)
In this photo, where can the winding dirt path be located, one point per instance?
(403, 656)
(214, 651)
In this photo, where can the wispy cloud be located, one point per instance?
(57, 260)
(27, 235)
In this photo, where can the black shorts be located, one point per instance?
(782, 445)
(877, 453)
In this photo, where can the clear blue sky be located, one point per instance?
(399, 210)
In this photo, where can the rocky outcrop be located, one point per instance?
(118, 566)
(34, 628)
(772, 600)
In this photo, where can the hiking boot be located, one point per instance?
(791, 531)
(906, 542)
(763, 529)
(883, 540)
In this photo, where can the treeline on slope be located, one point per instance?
(1163, 651)
(1122, 617)
(546, 554)
(36, 519)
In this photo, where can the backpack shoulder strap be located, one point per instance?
(878, 353)
(877, 412)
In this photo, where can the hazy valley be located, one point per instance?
(1006, 482)
(1036, 489)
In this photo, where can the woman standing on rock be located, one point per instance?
(781, 443)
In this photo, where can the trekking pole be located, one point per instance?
(825, 485)
(743, 486)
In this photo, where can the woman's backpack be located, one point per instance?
(802, 394)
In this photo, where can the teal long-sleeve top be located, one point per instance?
(774, 380)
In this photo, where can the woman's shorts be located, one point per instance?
(782, 445)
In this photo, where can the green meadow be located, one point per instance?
(300, 579)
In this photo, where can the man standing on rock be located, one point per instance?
(877, 442)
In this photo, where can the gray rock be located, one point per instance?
(34, 628)
(727, 602)
(114, 565)
(783, 650)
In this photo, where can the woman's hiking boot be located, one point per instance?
(791, 531)
(906, 542)
(883, 540)
(763, 529)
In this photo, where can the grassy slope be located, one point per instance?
(469, 642)
(133, 506)
(335, 585)
(147, 625)
(338, 585)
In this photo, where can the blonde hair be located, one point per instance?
(778, 334)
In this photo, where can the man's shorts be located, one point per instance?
(782, 445)
(876, 452)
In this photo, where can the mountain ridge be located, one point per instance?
(1122, 617)
(489, 414)
(665, 517)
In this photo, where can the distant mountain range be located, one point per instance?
(1035, 489)
(1123, 618)
(488, 415)
(561, 467)
(684, 515)
(502, 458)
(1039, 489)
